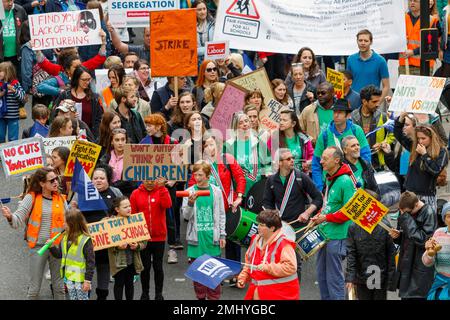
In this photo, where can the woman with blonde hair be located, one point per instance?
(212, 96)
(230, 67)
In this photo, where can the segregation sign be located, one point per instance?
(22, 156)
(144, 162)
(65, 29)
(114, 232)
(87, 153)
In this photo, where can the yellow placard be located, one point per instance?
(336, 78)
(87, 153)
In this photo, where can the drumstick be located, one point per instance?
(301, 229)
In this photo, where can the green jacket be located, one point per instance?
(118, 259)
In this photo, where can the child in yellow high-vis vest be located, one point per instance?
(76, 251)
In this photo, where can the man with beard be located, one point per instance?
(131, 120)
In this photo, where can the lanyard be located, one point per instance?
(217, 177)
(287, 193)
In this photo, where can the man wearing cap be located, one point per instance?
(338, 128)
(67, 109)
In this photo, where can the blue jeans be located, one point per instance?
(12, 125)
(329, 270)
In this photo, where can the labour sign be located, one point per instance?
(217, 50)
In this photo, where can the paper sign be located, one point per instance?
(417, 94)
(117, 231)
(231, 101)
(143, 162)
(327, 26)
(102, 80)
(364, 210)
(87, 153)
(51, 143)
(2, 10)
(257, 79)
(173, 43)
(270, 118)
(132, 13)
(336, 78)
(22, 156)
(393, 72)
(65, 29)
(217, 50)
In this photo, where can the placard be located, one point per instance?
(87, 153)
(336, 78)
(143, 162)
(22, 156)
(64, 29)
(173, 43)
(133, 13)
(117, 231)
(257, 79)
(270, 117)
(51, 143)
(217, 50)
(364, 210)
(417, 94)
(327, 26)
(231, 101)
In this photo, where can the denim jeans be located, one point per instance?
(330, 274)
(12, 125)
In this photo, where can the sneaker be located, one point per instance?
(178, 246)
(159, 297)
(172, 256)
(48, 275)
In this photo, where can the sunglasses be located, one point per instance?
(53, 180)
(211, 69)
(118, 130)
(321, 92)
(288, 159)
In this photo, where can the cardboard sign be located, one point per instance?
(22, 156)
(173, 43)
(132, 13)
(217, 50)
(336, 78)
(65, 29)
(51, 143)
(364, 210)
(270, 118)
(257, 79)
(417, 94)
(232, 100)
(143, 162)
(87, 153)
(117, 231)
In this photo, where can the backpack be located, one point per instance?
(325, 135)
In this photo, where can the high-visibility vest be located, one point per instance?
(270, 287)
(73, 262)
(34, 222)
(413, 40)
(108, 96)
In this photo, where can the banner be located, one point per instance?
(257, 79)
(142, 162)
(327, 26)
(231, 101)
(51, 143)
(336, 78)
(133, 13)
(64, 29)
(87, 153)
(22, 156)
(417, 94)
(114, 232)
(364, 210)
(270, 118)
(211, 271)
(217, 50)
(173, 43)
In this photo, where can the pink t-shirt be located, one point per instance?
(116, 163)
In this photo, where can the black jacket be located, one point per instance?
(365, 250)
(413, 278)
(134, 125)
(368, 175)
(302, 188)
(304, 102)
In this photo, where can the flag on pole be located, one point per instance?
(248, 64)
(211, 271)
(89, 199)
(39, 130)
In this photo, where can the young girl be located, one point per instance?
(76, 252)
(125, 260)
(15, 97)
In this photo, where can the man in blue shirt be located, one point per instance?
(367, 66)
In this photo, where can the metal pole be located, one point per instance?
(424, 24)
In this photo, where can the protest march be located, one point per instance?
(256, 149)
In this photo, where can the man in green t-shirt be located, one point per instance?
(340, 187)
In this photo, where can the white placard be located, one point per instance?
(217, 50)
(79, 108)
(327, 26)
(417, 94)
(102, 80)
(51, 143)
(65, 29)
(393, 72)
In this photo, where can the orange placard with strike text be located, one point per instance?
(173, 43)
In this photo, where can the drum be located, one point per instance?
(241, 226)
(255, 196)
(389, 188)
(310, 243)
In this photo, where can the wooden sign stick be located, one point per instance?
(385, 226)
(175, 86)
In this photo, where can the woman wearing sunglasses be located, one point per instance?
(42, 213)
(207, 75)
(429, 156)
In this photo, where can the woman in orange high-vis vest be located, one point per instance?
(42, 211)
(271, 265)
